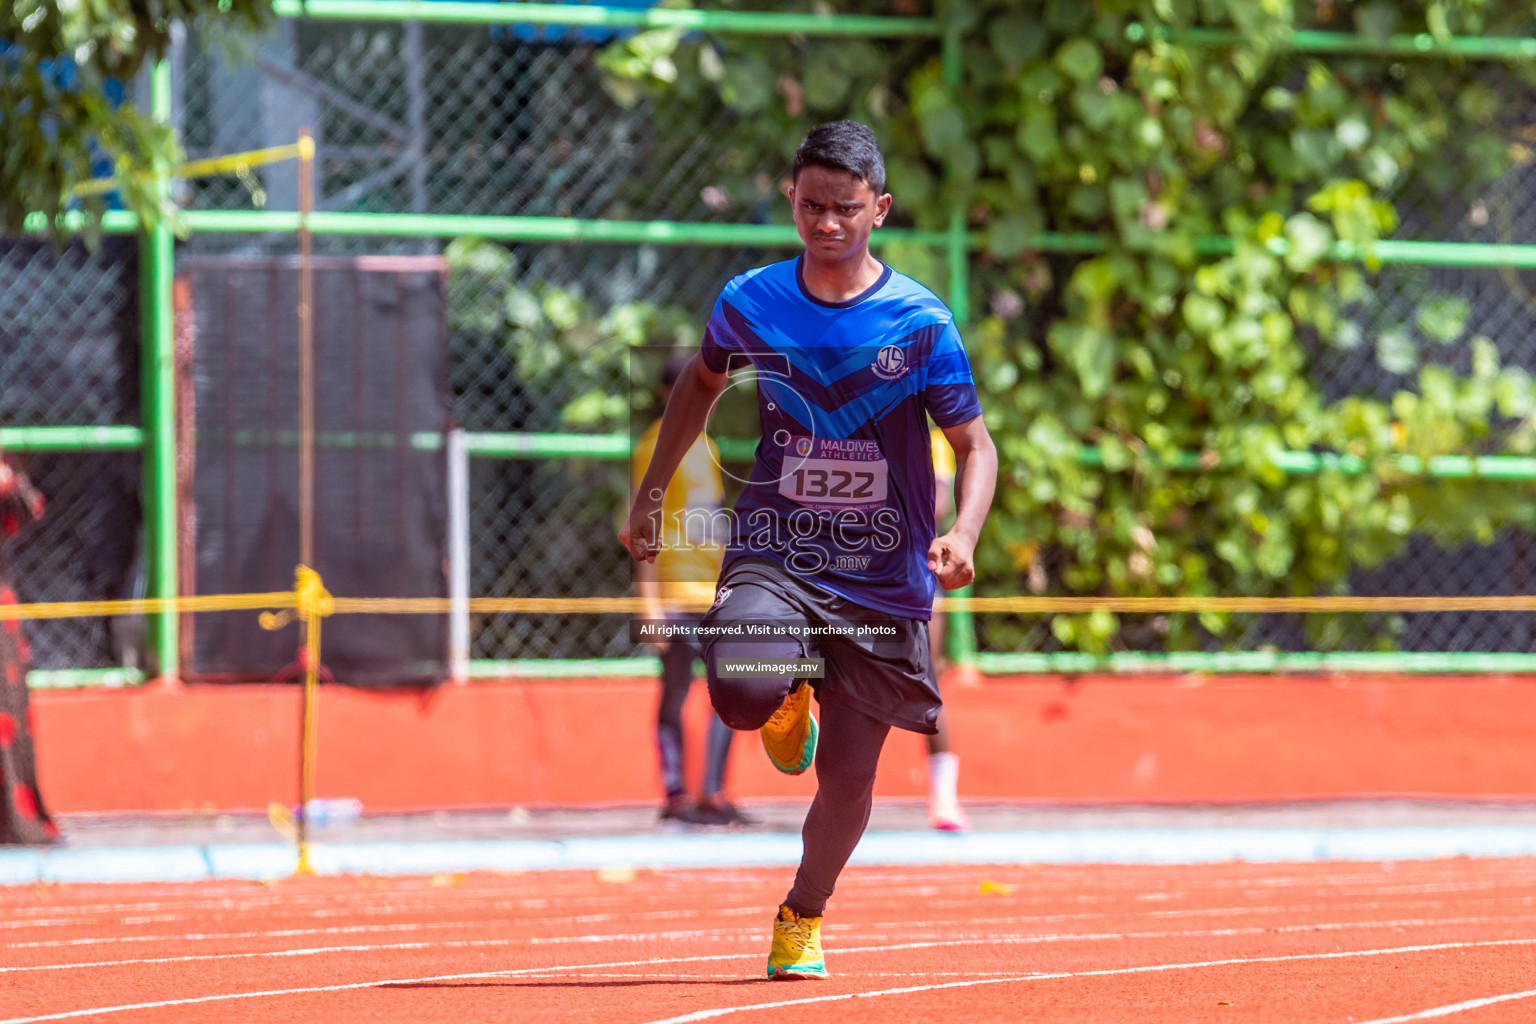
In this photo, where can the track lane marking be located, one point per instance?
(344, 902)
(726, 1011)
(1024, 919)
(1447, 1010)
(725, 934)
(424, 900)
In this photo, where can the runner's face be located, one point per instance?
(835, 212)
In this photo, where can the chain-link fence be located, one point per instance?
(1501, 568)
(69, 356)
(448, 119)
(87, 548)
(420, 118)
(485, 120)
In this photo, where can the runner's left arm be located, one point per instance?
(951, 556)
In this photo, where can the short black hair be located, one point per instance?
(843, 146)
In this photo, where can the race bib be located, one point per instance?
(828, 474)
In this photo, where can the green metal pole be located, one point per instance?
(1421, 44)
(961, 632)
(468, 12)
(524, 229)
(623, 232)
(494, 445)
(71, 439)
(1077, 662)
(74, 678)
(157, 256)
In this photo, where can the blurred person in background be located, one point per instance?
(685, 571)
(23, 818)
(944, 810)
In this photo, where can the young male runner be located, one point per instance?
(832, 542)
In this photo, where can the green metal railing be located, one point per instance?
(157, 437)
(597, 16)
(1421, 44)
(510, 445)
(1387, 252)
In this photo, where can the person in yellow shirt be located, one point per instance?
(685, 571)
(944, 810)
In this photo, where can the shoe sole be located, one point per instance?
(807, 751)
(797, 974)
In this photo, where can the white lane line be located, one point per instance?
(282, 933)
(424, 899)
(1446, 1011)
(1036, 919)
(373, 984)
(726, 1011)
(545, 940)
(737, 976)
(375, 909)
(302, 951)
(322, 908)
(426, 896)
(1056, 919)
(907, 931)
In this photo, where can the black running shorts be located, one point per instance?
(876, 662)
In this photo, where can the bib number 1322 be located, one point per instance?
(834, 484)
(834, 475)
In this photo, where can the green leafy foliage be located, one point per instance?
(54, 115)
(1187, 372)
(552, 335)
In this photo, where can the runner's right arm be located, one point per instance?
(687, 412)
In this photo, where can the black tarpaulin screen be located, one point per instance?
(381, 408)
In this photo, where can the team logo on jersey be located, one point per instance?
(802, 446)
(890, 362)
(720, 596)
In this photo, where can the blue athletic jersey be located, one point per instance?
(842, 488)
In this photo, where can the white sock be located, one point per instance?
(943, 777)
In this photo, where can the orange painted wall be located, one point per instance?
(567, 742)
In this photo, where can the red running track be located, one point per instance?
(1330, 942)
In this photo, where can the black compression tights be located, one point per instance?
(846, 756)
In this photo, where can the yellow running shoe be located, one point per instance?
(796, 949)
(790, 735)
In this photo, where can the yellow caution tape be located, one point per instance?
(232, 163)
(310, 599)
(145, 606)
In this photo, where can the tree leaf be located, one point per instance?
(1395, 351)
(1307, 241)
(1016, 38)
(1080, 60)
(1443, 318)
(1011, 234)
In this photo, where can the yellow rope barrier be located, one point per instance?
(232, 163)
(145, 606)
(283, 607)
(1262, 605)
(1015, 605)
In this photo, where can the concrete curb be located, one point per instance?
(176, 863)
